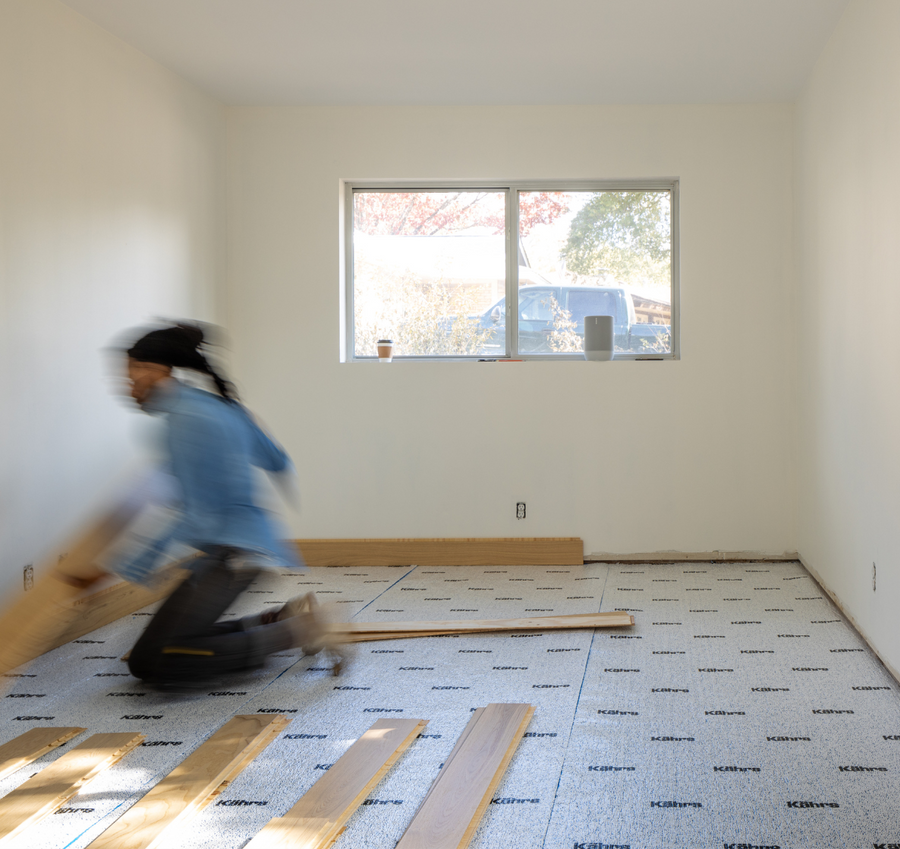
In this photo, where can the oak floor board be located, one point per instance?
(498, 776)
(112, 603)
(288, 833)
(60, 781)
(56, 609)
(476, 714)
(453, 551)
(250, 753)
(338, 793)
(447, 817)
(153, 820)
(31, 745)
(370, 631)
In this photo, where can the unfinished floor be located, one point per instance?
(741, 709)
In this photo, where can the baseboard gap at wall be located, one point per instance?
(850, 619)
(693, 557)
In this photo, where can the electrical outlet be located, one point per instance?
(874, 575)
(520, 510)
(29, 577)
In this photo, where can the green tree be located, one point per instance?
(625, 235)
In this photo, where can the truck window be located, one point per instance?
(592, 303)
(535, 306)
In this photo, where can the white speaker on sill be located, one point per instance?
(599, 337)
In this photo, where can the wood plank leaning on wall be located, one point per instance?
(461, 551)
(56, 610)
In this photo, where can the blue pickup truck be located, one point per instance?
(536, 324)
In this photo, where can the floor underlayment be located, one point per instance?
(740, 710)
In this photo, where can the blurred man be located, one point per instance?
(213, 445)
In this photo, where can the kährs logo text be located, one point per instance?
(601, 845)
(750, 846)
(813, 805)
(674, 804)
(611, 768)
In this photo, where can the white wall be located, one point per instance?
(848, 202)
(111, 173)
(694, 455)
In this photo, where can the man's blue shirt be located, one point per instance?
(213, 447)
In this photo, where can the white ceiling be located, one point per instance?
(479, 51)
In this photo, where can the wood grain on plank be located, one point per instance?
(112, 603)
(363, 631)
(60, 781)
(287, 833)
(498, 776)
(189, 787)
(31, 745)
(447, 817)
(338, 793)
(488, 551)
(35, 622)
(460, 742)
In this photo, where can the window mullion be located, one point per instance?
(512, 272)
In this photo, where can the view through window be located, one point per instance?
(432, 271)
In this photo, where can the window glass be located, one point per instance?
(609, 253)
(535, 306)
(433, 268)
(426, 267)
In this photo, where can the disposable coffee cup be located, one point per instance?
(385, 350)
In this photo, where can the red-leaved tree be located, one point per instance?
(424, 213)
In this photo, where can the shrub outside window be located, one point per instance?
(511, 270)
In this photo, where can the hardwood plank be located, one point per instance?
(287, 833)
(60, 781)
(498, 776)
(250, 753)
(28, 747)
(363, 631)
(613, 619)
(34, 622)
(448, 815)
(485, 551)
(319, 815)
(154, 820)
(112, 603)
(460, 742)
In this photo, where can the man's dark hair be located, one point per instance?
(179, 346)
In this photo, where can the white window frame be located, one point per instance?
(511, 189)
